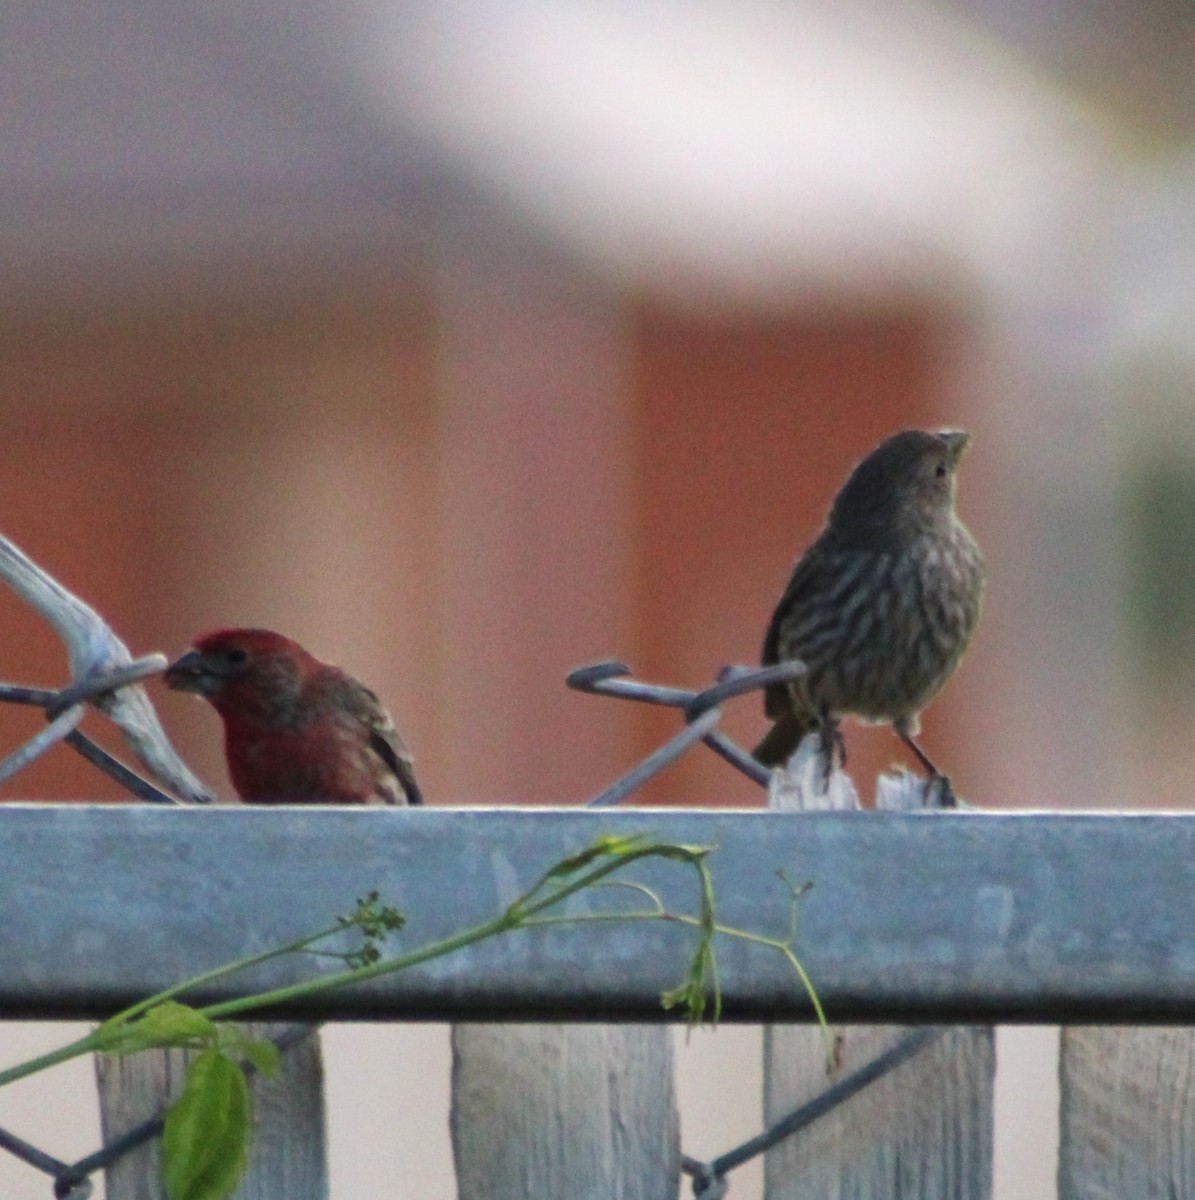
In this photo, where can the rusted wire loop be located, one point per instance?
(620, 789)
(102, 682)
(737, 681)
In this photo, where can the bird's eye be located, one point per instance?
(941, 470)
(236, 655)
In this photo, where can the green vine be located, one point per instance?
(205, 1143)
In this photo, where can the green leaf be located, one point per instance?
(235, 1044)
(606, 846)
(111, 1027)
(172, 1023)
(685, 994)
(679, 852)
(264, 1057)
(166, 1024)
(206, 1140)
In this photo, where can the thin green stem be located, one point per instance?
(519, 913)
(759, 939)
(401, 962)
(44, 1061)
(566, 878)
(241, 964)
(107, 1035)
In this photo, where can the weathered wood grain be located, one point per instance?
(1128, 1114)
(583, 1111)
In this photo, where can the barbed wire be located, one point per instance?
(106, 676)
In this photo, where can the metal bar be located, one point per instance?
(104, 681)
(800, 1118)
(738, 681)
(655, 762)
(15, 693)
(27, 1152)
(142, 789)
(926, 918)
(62, 725)
(612, 678)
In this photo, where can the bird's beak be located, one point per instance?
(957, 441)
(193, 673)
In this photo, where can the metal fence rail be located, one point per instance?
(933, 917)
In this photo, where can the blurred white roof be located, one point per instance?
(747, 145)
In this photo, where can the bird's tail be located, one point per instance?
(782, 740)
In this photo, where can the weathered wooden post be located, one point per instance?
(583, 1111)
(1128, 1113)
(924, 1128)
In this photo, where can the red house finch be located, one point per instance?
(296, 730)
(882, 605)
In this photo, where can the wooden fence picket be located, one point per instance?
(923, 1129)
(583, 1111)
(1128, 1113)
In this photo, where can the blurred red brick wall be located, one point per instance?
(650, 477)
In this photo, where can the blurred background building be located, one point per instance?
(467, 343)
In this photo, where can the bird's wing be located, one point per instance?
(384, 740)
(807, 580)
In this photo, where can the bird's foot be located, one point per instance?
(939, 792)
(833, 749)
